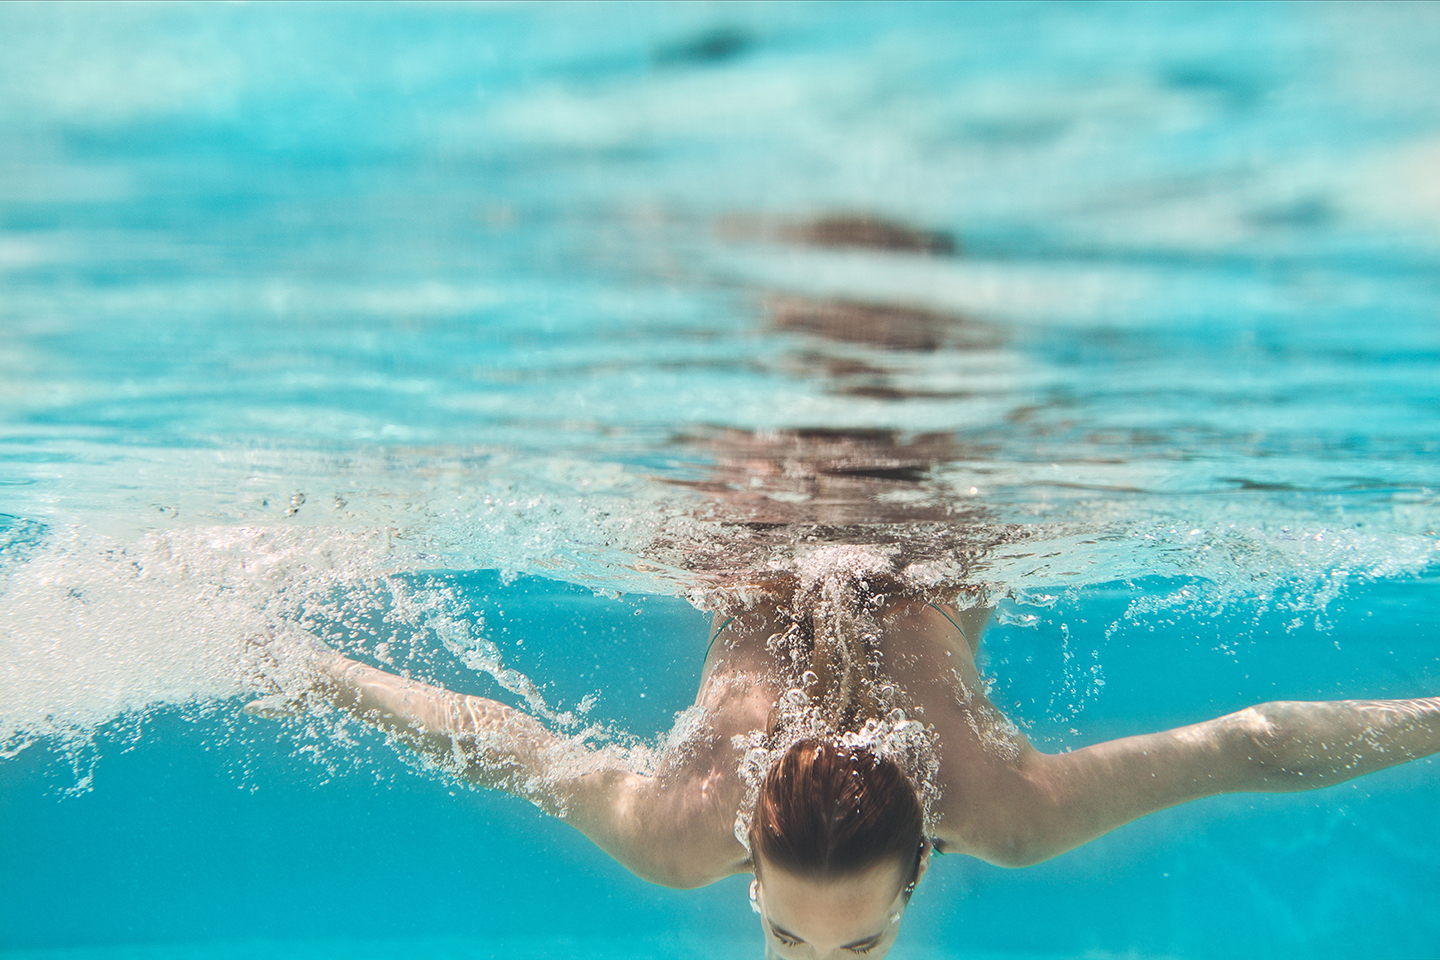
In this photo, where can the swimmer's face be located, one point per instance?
(847, 917)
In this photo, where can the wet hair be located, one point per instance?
(829, 810)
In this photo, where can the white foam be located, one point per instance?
(98, 627)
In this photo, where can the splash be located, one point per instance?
(98, 628)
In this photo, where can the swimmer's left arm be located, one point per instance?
(1073, 798)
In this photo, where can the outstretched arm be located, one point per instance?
(1073, 798)
(651, 824)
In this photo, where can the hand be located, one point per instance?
(274, 706)
(290, 669)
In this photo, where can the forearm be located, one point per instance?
(479, 739)
(1297, 745)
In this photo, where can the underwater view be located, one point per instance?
(578, 357)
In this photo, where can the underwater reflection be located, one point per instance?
(771, 496)
(882, 325)
(842, 231)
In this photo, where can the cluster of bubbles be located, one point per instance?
(839, 694)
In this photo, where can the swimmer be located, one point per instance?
(845, 738)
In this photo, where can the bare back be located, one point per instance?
(928, 654)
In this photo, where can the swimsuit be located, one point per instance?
(952, 623)
(714, 635)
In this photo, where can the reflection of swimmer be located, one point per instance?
(845, 737)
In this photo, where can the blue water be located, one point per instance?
(490, 338)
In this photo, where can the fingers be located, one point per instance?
(273, 707)
(285, 667)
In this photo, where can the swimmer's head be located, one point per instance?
(838, 845)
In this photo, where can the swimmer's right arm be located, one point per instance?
(659, 827)
(481, 740)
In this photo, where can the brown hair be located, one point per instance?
(828, 809)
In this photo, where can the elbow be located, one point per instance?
(1021, 849)
(676, 876)
(1015, 860)
(1257, 730)
(686, 881)
(1262, 742)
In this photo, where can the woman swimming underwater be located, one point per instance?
(843, 736)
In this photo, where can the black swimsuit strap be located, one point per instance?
(714, 635)
(952, 623)
(935, 844)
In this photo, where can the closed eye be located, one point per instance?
(860, 947)
(786, 939)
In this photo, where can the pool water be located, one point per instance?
(489, 341)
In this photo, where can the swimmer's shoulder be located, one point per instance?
(739, 644)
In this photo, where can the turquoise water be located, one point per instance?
(487, 340)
